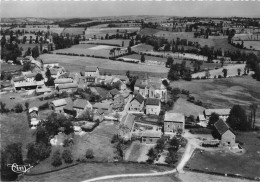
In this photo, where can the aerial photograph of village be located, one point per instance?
(130, 91)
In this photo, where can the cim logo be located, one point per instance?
(20, 168)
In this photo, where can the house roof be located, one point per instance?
(101, 91)
(29, 84)
(155, 85)
(91, 68)
(102, 105)
(31, 75)
(114, 92)
(220, 112)
(139, 98)
(202, 117)
(174, 117)
(122, 77)
(100, 111)
(222, 126)
(43, 90)
(69, 105)
(155, 102)
(80, 103)
(54, 71)
(59, 102)
(68, 85)
(128, 121)
(63, 80)
(139, 84)
(33, 109)
(20, 78)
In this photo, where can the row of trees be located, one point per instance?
(178, 71)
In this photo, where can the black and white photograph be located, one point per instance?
(130, 90)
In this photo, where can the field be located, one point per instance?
(227, 162)
(54, 30)
(101, 32)
(187, 108)
(137, 152)
(147, 58)
(112, 41)
(15, 128)
(26, 46)
(77, 64)
(232, 71)
(142, 48)
(74, 31)
(224, 93)
(90, 170)
(87, 49)
(250, 44)
(217, 43)
(9, 67)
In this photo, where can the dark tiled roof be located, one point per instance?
(68, 85)
(128, 121)
(114, 92)
(139, 98)
(155, 102)
(221, 126)
(80, 103)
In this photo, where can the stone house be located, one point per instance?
(153, 106)
(30, 77)
(126, 126)
(223, 113)
(69, 87)
(150, 137)
(224, 133)
(173, 122)
(58, 105)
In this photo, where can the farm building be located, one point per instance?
(98, 115)
(153, 106)
(81, 105)
(105, 106)
(30, 77)
(92, 71)
(151, 137)
(43, 90)
(28, 85)
(146, 122)
(69, 87)
(58, 105)
(51, 65)
(223, 113)
(173, 122)
(118, 101)
(33, 112)
(60, 81)
(225, 133)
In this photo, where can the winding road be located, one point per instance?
(186, 156)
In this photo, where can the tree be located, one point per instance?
(171, 158)
(174, 143)
(142, 58)
(253, 108)
(238, 71)
(89, 154)
(56, 159)
(67, 156)
(214, 117)
(11, 154)
(48, 73)
(152, 155)
(224, 72)
(160, 144)
(237, 119)
(18, 108)
(165, 83)
(35, 52)
(42, 135)
(3, 108)
(26, 104)
(27, 66)
(123, 43)
(169, 62)
(38, 151)
(222, 60)
(38, 77)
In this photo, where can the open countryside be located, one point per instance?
(130, 98)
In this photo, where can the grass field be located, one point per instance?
(147, 58)
(226, 162)
(74, 31)
(232, 71)
(250, 44)
(9, 67)
(187, 108)
(112, 41)
(90, 170)
(15, 128)
(87, 49)
(224, 93)
(77, 64)
(216, 43)
(54, 30)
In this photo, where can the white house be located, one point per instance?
(223, 113)
(92, 71)
(153, 106)
(225, 133)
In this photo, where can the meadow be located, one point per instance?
(224, 93)
(77, 64)
(255, 45)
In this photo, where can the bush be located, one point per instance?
(82, 159)
(114, 139)
(38, 151)
(44, 106)
(219, 76)
(89, 154)
(56, 159)
(67, 156)
(3, 108)
(18, 108)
